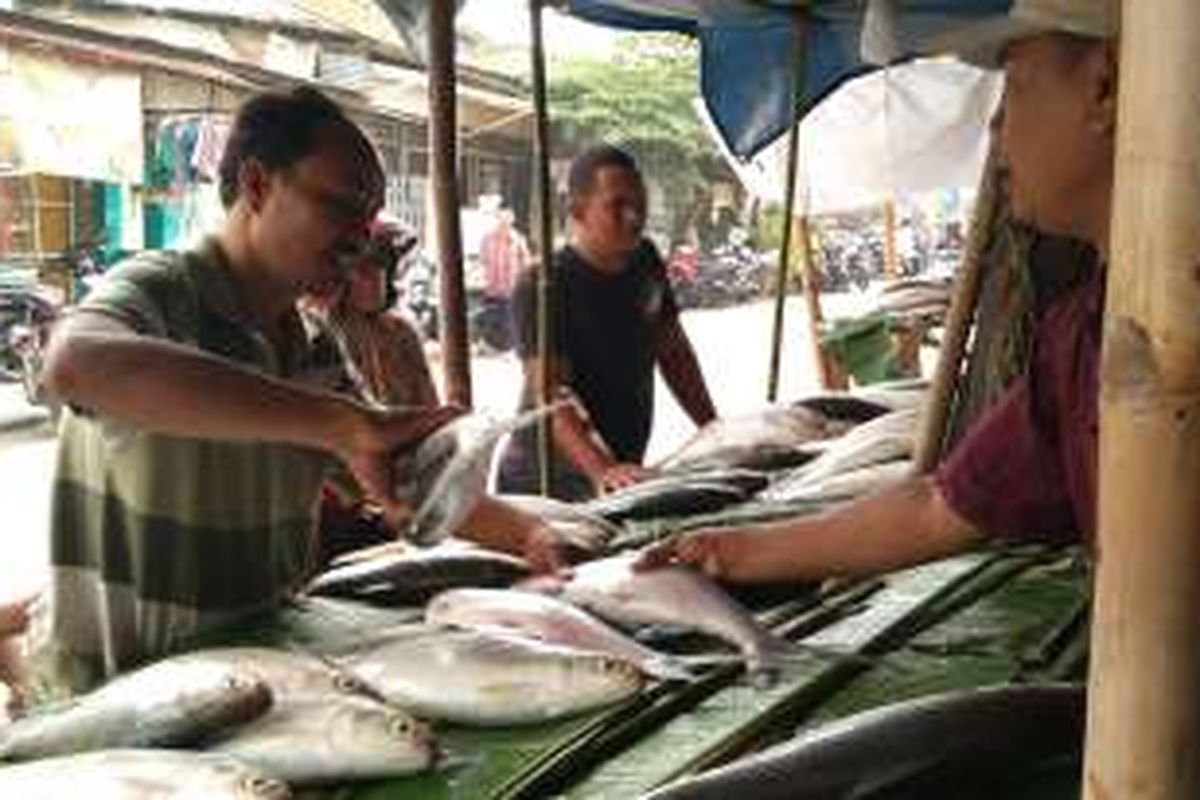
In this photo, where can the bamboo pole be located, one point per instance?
(544, 239)
(443, 165)
(789, 207)
(1144, 699)
(959, 319)
(890, 266)
(812, 304)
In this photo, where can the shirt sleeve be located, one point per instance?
(139, 293)
(1004, 476)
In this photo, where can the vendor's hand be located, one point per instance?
(720, 553)
(14, 615)
(618, 476)
(546, 551)
(370, 448)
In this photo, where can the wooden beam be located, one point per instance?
(443, 168)
(959, 320)
(1143, 738)
(544, 241)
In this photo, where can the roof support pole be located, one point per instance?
(1144, 711)
(443, 165)
(544, 240)
(959, 320)
(811, 283)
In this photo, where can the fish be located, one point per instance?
(319, 741)
(664, 497)
(167, 704)
(578, 527)
(676, 596)
(413, 576)
(550, 620)
(445, 477)
(844, 406)
(842, 486)
(291, 675)
(887, 438)
(770, 438)
(949, 745)
(140, 774)
(485, 678)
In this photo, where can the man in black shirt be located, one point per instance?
(614, 319)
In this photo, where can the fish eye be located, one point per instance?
(347, 683)
(261, 786)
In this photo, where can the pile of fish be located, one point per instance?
(575, 524)
(400, 574)
(772, 438)
(858, 462)
(915, 297)
(678, 493)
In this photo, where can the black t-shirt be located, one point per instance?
(606, 329)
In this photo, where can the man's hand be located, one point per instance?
(374, 438)
(618, 476)
(545, 550)
(721, 553)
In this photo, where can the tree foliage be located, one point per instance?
(642, 99)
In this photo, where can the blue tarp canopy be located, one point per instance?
(748, 48)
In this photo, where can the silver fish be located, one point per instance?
(486, 678)
(842, 486)
(168, 704)
(663, 497)
(292, 676)
(139, 775)
(320, 741)
(766, 439)
(415, 575)
(549, 620)
(675, 596)
(886, 438)
(577, 527)
(447, 474)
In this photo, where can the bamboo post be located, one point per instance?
(812, 304)
(443, 165)
(789, 206)
(890, 259)
(959, 319)
(544, 239)
(1143, 708)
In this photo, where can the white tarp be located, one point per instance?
(65, 118)
(911, 128)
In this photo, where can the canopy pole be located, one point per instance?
(1143, 712)
(443, 154)
(789, 206)
(891, 269)
(959, 319)
(544, 240)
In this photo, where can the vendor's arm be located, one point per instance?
(681, 370)
(907, 524)
(577, 440)
(502, 526)
(99, 363)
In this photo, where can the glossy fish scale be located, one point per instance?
(168, 704)
(486, 678)
(140, 775)
(320, 741)
(673, 596)
(290, 675)
(550, 620)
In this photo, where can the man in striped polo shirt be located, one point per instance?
(202, 418)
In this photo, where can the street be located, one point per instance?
(733, 345)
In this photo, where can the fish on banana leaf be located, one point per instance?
(887, 438)
(167, 704)
(412, 575)
(490, 679)
(136, 774)
(842, 486)
(664, 497)
(771, 438)
(550, 620)
(576, 526)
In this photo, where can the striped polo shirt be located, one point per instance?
(156, 538)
